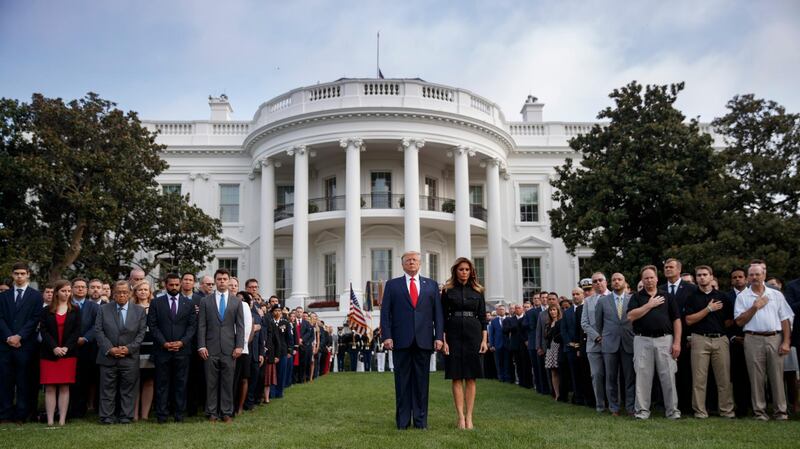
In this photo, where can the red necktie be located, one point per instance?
(414, 293)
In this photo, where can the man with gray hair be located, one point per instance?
(594, 350)
(764, 315)
(136, 275)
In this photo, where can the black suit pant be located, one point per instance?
(411, 380)
(172, 377)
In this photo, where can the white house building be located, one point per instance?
(329, 184)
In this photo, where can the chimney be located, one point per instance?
(221, 109)
(532, 110)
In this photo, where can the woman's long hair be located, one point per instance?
(472, 281)
(53, 308)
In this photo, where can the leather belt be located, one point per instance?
(651, 335)
(463, 314)
(762, 334)
(709, 335)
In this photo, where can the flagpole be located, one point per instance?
(378, 56)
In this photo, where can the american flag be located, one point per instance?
(355, 317)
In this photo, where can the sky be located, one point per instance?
(163, 58)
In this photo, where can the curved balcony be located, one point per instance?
(380, 201)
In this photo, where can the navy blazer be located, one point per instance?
(512, 326)
(88, 317)
(164, 328)
(569, 330)
(530, 321)
(681, 295)
(496, 338)
(306, 333)
(20, 318)
(49, 331)
(405, 324)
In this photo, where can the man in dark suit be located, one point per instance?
(541, 349)
(173, 324)
(570, 347)
(20, 311)
(617, 344)
(497, 345)
(517, 336)
(196, 387)
(220, 337)
(84, 390)
(120, 329)
(412, 324)
(530, 322)
(739, 376)
(680, 291)
(306, 341)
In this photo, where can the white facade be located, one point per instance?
(374, 168)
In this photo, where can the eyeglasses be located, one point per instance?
(597, 281)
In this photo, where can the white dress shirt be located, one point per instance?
(248, 326)
(769, 317)
(416, 281)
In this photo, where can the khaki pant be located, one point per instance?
(763, 362)
(654, 355)
(714, 350)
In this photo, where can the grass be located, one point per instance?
(356, 410)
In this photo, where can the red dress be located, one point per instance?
(61, 371)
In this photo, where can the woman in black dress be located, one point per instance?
(464, 336)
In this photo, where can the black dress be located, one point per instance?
(464, 323)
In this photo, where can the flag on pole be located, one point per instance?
(356, 318)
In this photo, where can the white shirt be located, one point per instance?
(769, 317)
(416, 281)
(677, 285)
(23, 288)
(217, 295)
(248, 326)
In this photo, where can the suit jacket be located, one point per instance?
(616, 332)
(220, 337)
(306, 333)
(792, 295)
(685, 290)
(405, 324)
(166, 329)
(541, 329)
(496, 337)
(531, 322)
(569, 330)
(581, 333)
(589, 323)
(20, 318)
(88, 317)
(512, 327)
(110, 333)
(48, 329)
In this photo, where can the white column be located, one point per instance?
(494, 277)
(462, 216)
(266, 253)
(300, 233)
(410, 148)
(352, 221)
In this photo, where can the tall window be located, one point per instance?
(431, 193)
(531, 276)
(330, 194)
(584, 269)
(529, 203)
(476, 195)
(330, 276)
(285, 195)
(229, 203)
(381, 264)
(283, 278)
(171, 189)
(433, 266)
(229, 263)
(480, 269)
(381, 189)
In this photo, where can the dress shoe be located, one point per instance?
(614, 413)
(227, 419)
(212, 419)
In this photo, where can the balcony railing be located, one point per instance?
(477, 211)
(380, 201)
(284, 211)
(322, 303)
(326, 204)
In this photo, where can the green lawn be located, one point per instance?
(356, 410)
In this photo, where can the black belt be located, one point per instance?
(762, 334)
(655, 335)
(710, 335)
(463, 314)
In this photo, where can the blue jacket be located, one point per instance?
(405, 324)
(496, 337)
(20, 318)
(569, 330)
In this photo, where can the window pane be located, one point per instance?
(285, 195)
(476, 195)
(330, 276)
(381, 264)
(479, 269)
(231, 264)
(169, 189)
(283, 278)
(229, 203)
(433, 266)
(529, 203)
(531, 276)
(381, 189)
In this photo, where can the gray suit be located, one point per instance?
(220, 338)
(617, 347)
(119, 374)
(593, 350)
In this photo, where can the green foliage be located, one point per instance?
(80, 196)
(650, 186)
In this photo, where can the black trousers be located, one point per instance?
(86, 375)
(522, 363)
(196, 386)
(172, 377)
(411, 380)
(15, 379)
(740, 380)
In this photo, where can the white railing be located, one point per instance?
(324, 92)
(172, 129)
(577, 129)
(481, 105)
(230, 128)
(438, 93)
(527, 129)
(280, 103)
(381, 88)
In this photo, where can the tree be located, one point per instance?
(762, 154)
(649, 185)
(79, 192)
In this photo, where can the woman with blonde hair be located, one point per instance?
(553, 340)
(465, 336)
(142, 296)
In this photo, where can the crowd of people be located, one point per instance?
(708, 351)
(210, 349)
(122, 351)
